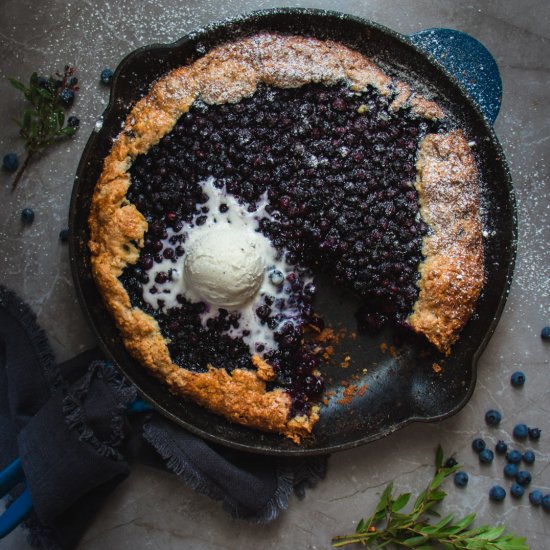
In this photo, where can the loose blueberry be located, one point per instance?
(497, 493)
(511, 470)
(501, 447)
(523, 478)
(517, 490)
(64, 235)
(42, 81)
(73, 81)
(514, 457)
(106, 76)
(10, 162)
(461, 479)
(450, 462)
(486, 456)
(493, 417)
(528, 457)
(478, 444)
(27, 215)
(546, 502)
(534, 433)
(545, 333)
(66, 97)
(521, 431)
(73, 121)
(535, 497)
(517, 379)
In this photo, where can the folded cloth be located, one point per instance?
(68, 423)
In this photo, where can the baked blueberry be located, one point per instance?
(64, 235)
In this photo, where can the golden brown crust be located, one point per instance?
(451, 276)
(228, 73)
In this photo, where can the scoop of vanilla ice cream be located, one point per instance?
(224, 266)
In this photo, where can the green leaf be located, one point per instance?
(445, 521)
(18, 85)
(492, 533)
(400, 502)
(437, 495)
(438, 480)
(384, 498)
(361, 526)
(413, 541)
(60, 117)
(439, 457)
(69, 130)
(34, 80)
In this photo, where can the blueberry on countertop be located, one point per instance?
(521, 431)
(510, 470)
(517, 379)
(10, 162)
(42, 81)
(545, 333)
(73, 81)
(514, 457)
(27, 215)
(450, 462)
(486, 456)
(106, 76)
(497, 493)
(501, 447)
(478, 444)
(493, 417)
(546, 502)
(528, 457)
(517, 490)
(73, 121)
(535, 497)
(66, 97)
(534, 433)
(461, 479)
(64, 235)
(523, 478)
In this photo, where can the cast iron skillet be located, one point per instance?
(402, 386)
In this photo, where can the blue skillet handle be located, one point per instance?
(469, 61)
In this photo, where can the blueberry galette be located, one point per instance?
(241, 176)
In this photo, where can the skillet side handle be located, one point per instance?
(469, 61)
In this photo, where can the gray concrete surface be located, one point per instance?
(151, 509)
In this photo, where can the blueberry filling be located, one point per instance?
(338, 168)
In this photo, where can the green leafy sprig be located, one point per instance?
(389, 525)
(43, 121)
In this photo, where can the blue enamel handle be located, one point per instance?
(469, 61)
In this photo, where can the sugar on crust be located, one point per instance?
(230, 73)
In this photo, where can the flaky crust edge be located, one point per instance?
(228, 73)
(452, 273)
